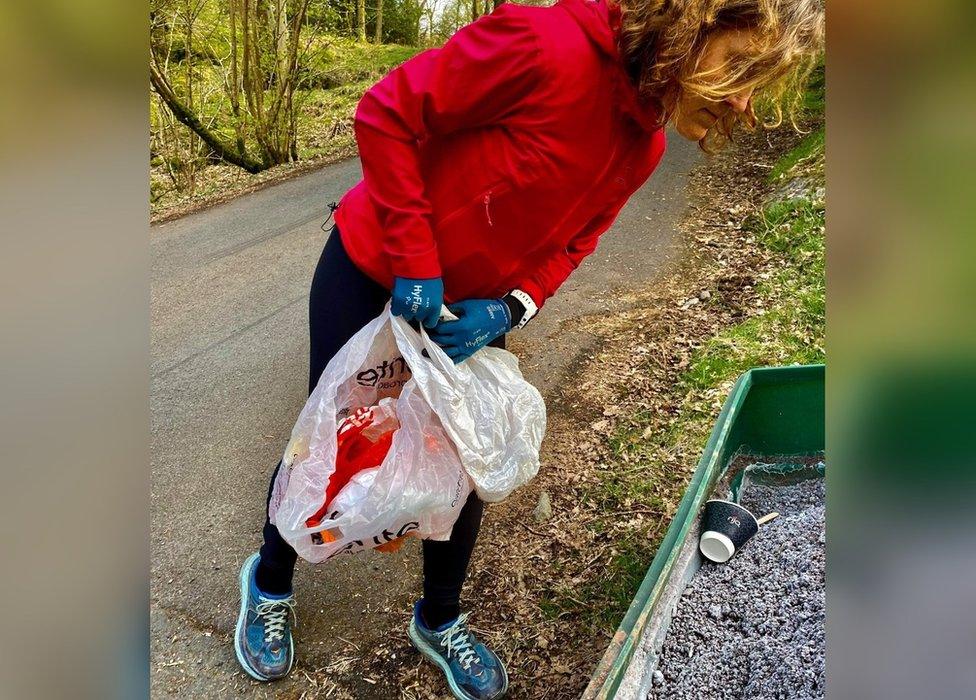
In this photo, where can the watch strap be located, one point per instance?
(528, 305)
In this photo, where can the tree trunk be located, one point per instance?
(253, 76)
(266, 51)
(190, 120)
(379, 21)
(430, 21)
(281, 39)
(189, 57)
(235, 78)
(361, 19)
(474, 10)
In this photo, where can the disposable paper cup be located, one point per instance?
(726, 526)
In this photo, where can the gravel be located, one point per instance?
(754, 627)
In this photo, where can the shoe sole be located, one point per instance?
(239, 628)
(427, 650)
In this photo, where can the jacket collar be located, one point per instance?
(600, 20)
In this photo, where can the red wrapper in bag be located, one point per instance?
(362, 442)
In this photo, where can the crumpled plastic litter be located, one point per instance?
(473, 426)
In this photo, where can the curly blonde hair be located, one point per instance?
(663, 41)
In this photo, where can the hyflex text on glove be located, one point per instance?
(418, 299)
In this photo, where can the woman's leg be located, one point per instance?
(446, 563)
(341, 301)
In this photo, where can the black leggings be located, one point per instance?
(342, 300)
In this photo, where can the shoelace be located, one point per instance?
(275, 614)
(457, 638)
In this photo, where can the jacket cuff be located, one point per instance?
(418, 266)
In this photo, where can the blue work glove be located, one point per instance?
(418, 299)
(479, 322)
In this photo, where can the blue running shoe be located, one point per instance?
(473, 671)
(263, 639)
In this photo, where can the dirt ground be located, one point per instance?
(532, 581)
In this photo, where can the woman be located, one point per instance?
(491, 167)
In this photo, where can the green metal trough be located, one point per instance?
(771, 411)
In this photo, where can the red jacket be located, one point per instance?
(497, 160)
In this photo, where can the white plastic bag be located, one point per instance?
(494, 417)
(479, 419)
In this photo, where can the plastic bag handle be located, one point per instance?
(321, 527)
(446, 314)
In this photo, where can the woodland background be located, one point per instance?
(242, 87)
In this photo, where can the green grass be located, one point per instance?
(336, 62)
(810, 148)
(813, 106)
(792, 328)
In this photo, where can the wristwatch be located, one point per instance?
(521, 306)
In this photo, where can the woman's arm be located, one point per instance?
(549, 276)
(482, 75)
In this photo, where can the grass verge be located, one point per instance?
(783, 325)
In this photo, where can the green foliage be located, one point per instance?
(338, 18)
(192, 41)
(328, 16)
(815, 96)
(810, 148)
(338, 62)
(401, 22)
(454, 15)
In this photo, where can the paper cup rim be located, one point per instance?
(715, 536)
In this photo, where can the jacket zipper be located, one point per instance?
(487, 201)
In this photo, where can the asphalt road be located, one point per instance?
(229, 362)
